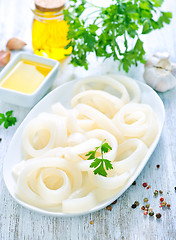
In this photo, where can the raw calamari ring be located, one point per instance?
(131, 86)
(130, 154)
(103, 121)
(133, 119)
(46, 182)
(104, 102)
(102, 82)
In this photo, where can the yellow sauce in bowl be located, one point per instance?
(26, 76)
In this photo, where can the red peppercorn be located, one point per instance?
(144, 184)
(115, 202)
(145, 212)
(161, 199)
(168, 205)
(109, 208)
(157, 165)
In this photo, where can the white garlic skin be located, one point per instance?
(160, 73)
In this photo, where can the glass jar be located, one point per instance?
(49, 33)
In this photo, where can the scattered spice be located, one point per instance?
(145, 212)
(144, 184)
(148, 187)
(0, 139)
(147, 205)
(133, 205)
(168, 205)
(115, 202)
(164, 204)
(134, 183)
(156, 193)
(161, 192)
(151, 213)
(161, 199)
(137, 203)
(158, 166)
(158, 215)
(91, 222)
(142, 207)
(145, 199)
(150, 209)
(175, 188)
(109, 208)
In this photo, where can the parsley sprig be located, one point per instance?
(7, 119)
(114, 31)
(100, 163)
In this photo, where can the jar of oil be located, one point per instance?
(49, 30)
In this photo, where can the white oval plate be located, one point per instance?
(64, 94)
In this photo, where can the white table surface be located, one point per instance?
(122, 222)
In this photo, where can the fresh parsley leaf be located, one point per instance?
(102, 30)
(100, 163)
(7, 119)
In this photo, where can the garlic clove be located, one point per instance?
(15, 44)
(152, 61)
(4, 57)
(164, 64)
(161, 55)
(173, 70)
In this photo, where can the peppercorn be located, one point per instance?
(145, 199)
(158, 215)
(147, 205)
(146, 209)
(109, 208)
(161, 199)
(91, 222)
(151, 213)
(133, 205)
(142, 207)
(175, 188)
(144, 184)
(161, 192)
(168, 205)
(115, 202)
(137, 203)
(164, 203)
(158, 166)
(0, 139)
(134, 183)
(150, 209)
(145, 212)
(156, 193)
(148, 187)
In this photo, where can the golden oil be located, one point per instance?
(49, 34)
(26, 76)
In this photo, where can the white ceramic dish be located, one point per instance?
(28, 100)
(64, 94)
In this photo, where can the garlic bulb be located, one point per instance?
(160, 73)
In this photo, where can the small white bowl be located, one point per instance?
(23, 99)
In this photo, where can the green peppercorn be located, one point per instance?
(156, 193)
(147, 205)
(145, 199)
(161, 192)
(137, 203)
(164, 203)
(151, 213)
